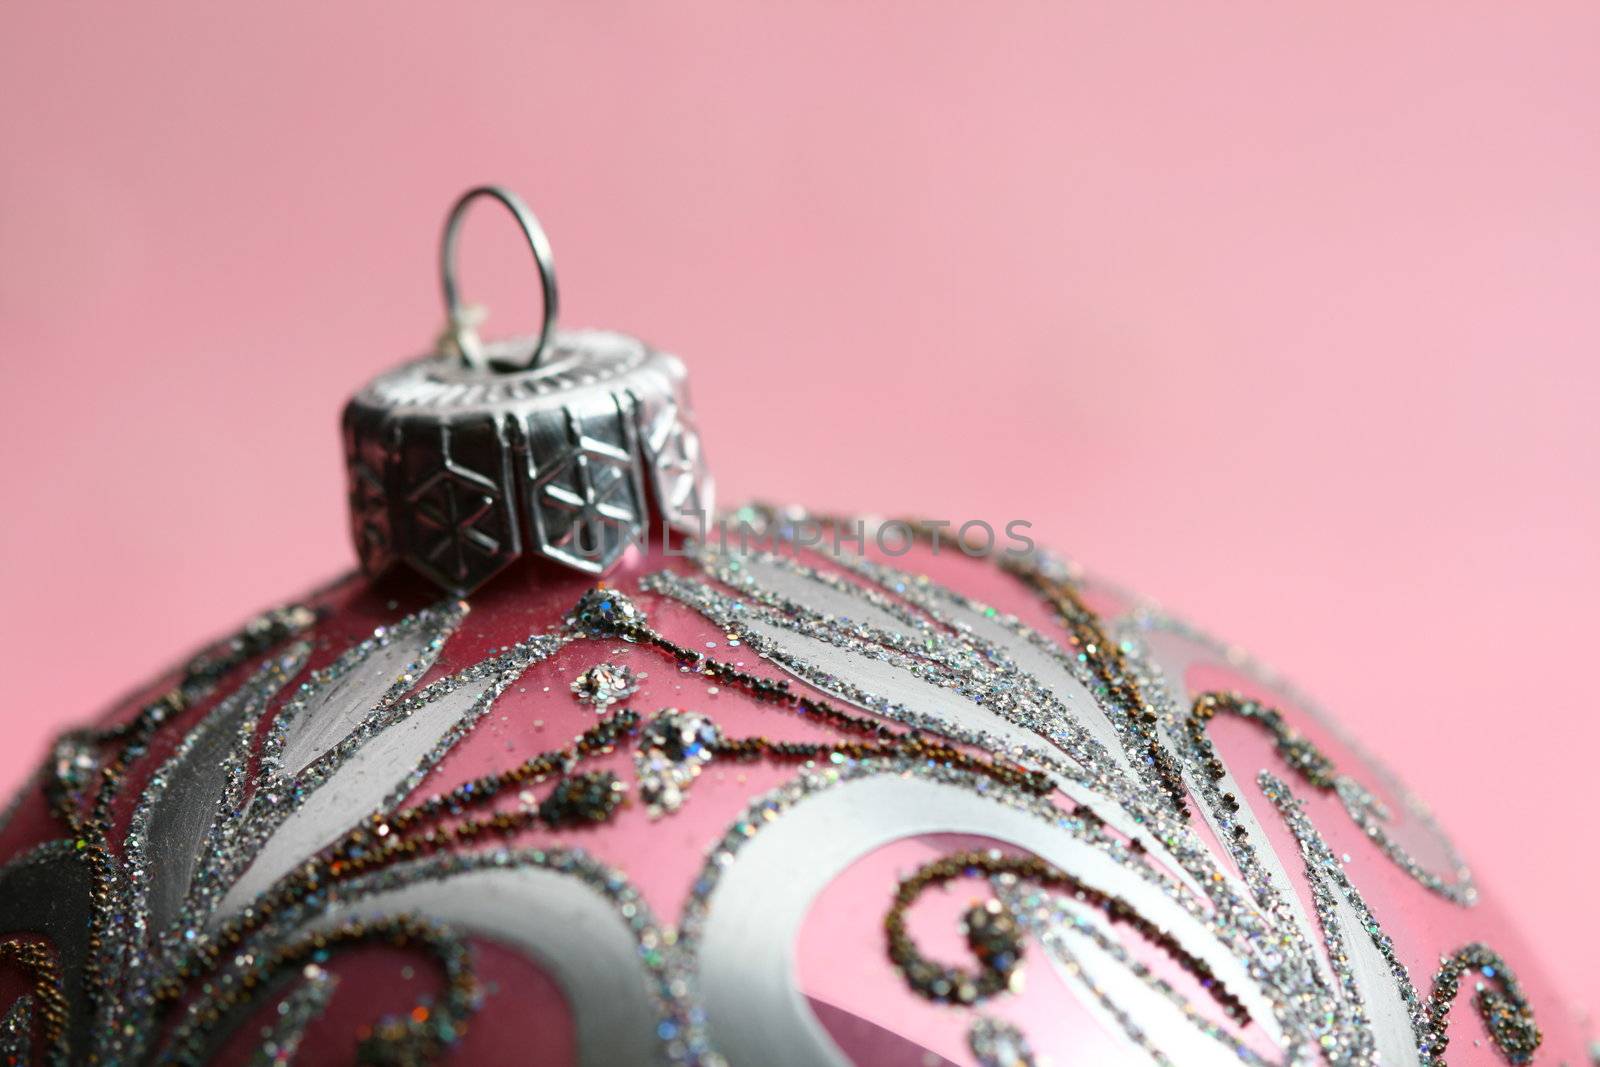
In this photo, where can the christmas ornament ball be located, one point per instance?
(572, 773)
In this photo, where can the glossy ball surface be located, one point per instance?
(902, 808)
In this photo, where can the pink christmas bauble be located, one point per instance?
(571, 775)
(905, 806)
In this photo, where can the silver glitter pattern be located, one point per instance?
(16, 1033)
(233, 862)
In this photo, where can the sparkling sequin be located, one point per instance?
(605, 684)
(996, 1043)
(673, 747)
(602, 611)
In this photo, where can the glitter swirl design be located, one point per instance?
(293, 821)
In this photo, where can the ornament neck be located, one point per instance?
(570, 445)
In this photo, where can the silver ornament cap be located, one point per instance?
(573, 445)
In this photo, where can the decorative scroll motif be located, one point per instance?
(995, 933)
(805, 634)
(178, 952)
(1094, 962)
(1319, 772)
(1504, 1009)
(287, 826)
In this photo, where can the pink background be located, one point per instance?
(1284, 315)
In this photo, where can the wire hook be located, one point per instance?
(461, 327)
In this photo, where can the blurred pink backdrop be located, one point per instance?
(1284, 314)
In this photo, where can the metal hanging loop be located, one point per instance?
(461, 327)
